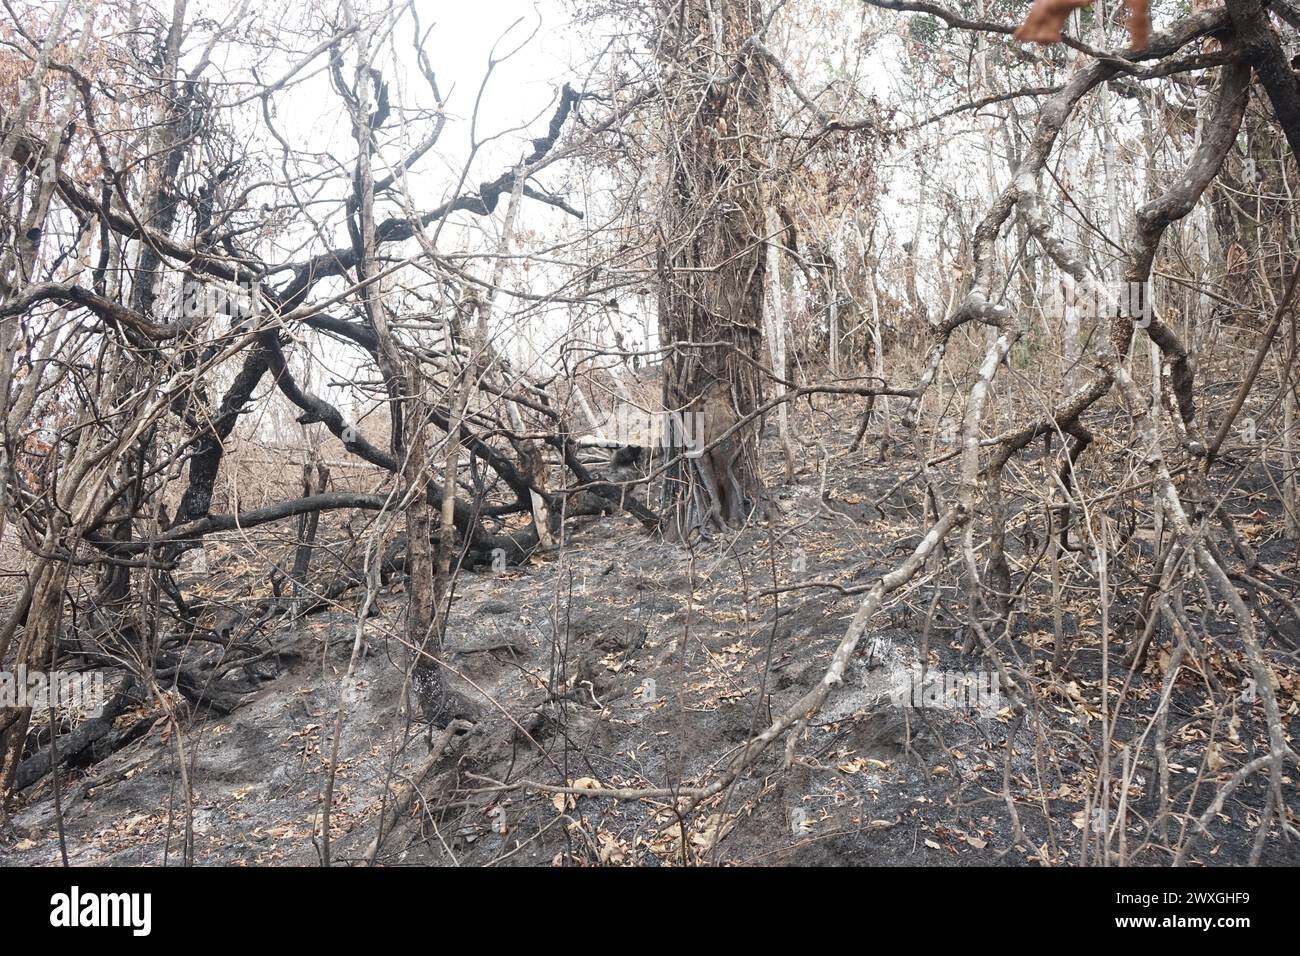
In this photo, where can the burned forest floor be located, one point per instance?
(621, 661)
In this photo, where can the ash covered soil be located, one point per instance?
(622, 661)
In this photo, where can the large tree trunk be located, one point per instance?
(711, 258)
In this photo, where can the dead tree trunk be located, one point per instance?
(711, 257)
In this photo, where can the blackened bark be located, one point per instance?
(210, 446)
(1265, 52)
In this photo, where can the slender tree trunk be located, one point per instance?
(776, 340)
